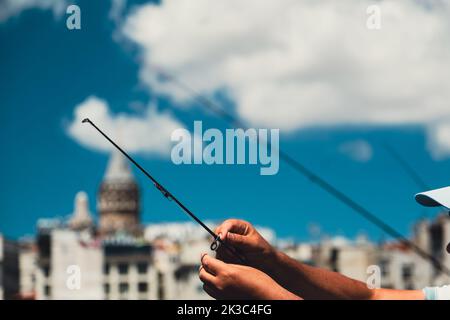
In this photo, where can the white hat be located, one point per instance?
(435, 198)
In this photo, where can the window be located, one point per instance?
(142, 267)
(409, 286)
(46, 271)
(106, 268)
(106, 288)
(123, 268)
(47, 291)
(407, 272)
(123, 287)
(384, 266)
(437, 243)
(142, 287)
(161, 291)
(334, 257)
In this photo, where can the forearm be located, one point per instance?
(263, 287)
(315, 283)
(390, 294)
(279, 293)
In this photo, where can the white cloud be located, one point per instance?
(292, 64)
(11, 8)
(117, 9)
(358, 150)
(439, 142)
(148, 134)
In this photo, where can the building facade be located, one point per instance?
(9, 268)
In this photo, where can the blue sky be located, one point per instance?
(48, 70)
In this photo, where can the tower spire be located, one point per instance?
(118, 197)
(81, 217)
(118, 168)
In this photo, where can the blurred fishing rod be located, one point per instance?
(314, 178)
(413, 174)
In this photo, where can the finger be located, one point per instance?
(238, 241)
(235, 226)
(205, 265)
(228, 258)
(213, 265)
(202, 265)
(225, 256)
(202, 255)
(232, 225)
(207, 277)
(219, 232)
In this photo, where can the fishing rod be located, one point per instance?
(169, 196)
(314, 178)
(407, 167)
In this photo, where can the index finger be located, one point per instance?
(212, 265)
(234, 226)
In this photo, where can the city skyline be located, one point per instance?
(314, 232)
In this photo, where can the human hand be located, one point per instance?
(231, 281)
(242, 236)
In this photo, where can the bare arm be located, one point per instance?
(390, 294)
(302, 280)
(316, 283)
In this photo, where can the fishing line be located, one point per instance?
(169, 196)
(407, 167)
(314, 178)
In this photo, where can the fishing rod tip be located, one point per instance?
(86, 120)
